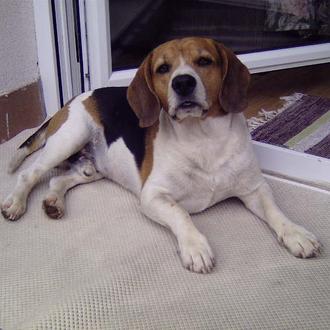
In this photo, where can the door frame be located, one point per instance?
(47, 62)
(98, 42)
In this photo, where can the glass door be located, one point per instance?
(137, 26)
(267, 35)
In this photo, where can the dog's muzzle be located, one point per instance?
(188, 103)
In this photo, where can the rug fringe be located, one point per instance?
(265, 116)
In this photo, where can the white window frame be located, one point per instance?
(94, 18)
(98, 42)
(70, 67)
(257, 62)
(46, 55)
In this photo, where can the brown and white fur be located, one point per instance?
(182, 146)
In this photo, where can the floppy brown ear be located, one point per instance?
(141, 96)
(236, 79)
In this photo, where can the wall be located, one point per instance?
(18, 48)
(21, 101)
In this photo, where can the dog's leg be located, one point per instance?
(65, 142)
(194, 249)
(300, 242)
(83, 171)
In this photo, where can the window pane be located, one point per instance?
(137, 26)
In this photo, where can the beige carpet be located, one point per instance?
(105, 266)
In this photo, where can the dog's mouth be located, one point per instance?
(189, 108)
(188, 105)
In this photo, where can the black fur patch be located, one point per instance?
(120, 121)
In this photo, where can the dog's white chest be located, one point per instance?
(206, 178)
(204, 164)
(203, 181)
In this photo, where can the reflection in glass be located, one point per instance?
(137, 26)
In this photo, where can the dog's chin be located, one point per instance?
(189, 110)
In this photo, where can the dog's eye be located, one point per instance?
(204, 61)
(164, 68)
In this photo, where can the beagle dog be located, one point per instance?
(176, 137)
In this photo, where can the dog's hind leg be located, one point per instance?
(71, 137)
(82, 171)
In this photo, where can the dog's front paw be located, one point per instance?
(53, 206)
(300, 242)
(13, 208)
(196, 253)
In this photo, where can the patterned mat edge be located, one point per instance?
(302, 124)
(265, 116)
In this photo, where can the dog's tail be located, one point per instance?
(32, 144)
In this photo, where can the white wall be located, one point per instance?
(18, 48)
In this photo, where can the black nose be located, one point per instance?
(184, 84)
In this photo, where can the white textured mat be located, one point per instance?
(105, 266)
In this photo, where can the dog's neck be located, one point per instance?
(194, 129)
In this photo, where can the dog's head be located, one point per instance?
(194, 77)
